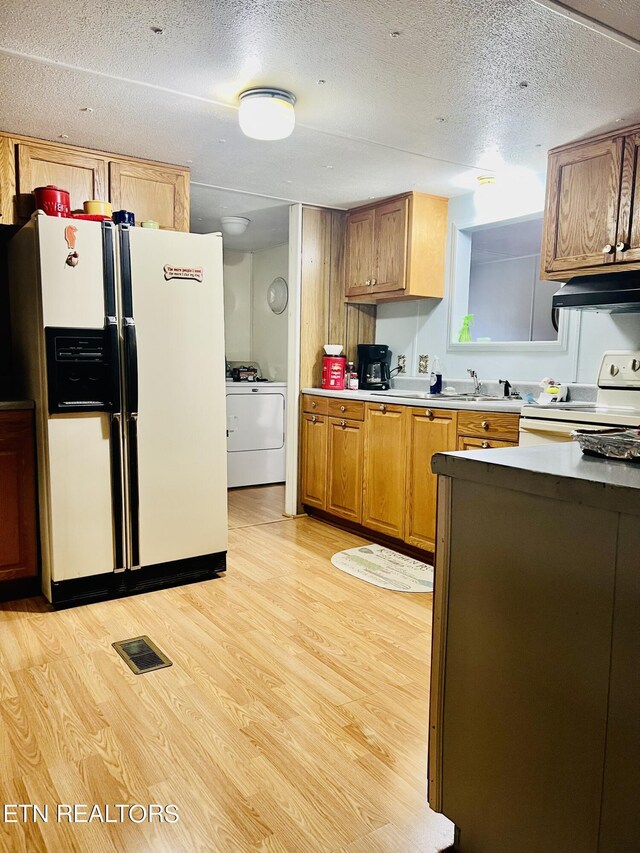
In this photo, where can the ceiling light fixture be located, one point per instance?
(486, 180)
(234, 225)
(267, 113)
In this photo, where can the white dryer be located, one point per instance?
(255, 432)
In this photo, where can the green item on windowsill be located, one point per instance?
(465, 332)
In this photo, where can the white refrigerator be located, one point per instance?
(118, 338)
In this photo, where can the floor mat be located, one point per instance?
(386, 568)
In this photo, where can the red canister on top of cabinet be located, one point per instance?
(53, 200)
(333, 368)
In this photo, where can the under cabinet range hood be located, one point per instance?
(615, 293)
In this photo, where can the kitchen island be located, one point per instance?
(535, 695)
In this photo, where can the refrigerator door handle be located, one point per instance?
(131, 365)
(134, 490)
(117, 492)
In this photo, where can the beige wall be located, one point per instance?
(252, 331)
(237, 305)
(269, 330)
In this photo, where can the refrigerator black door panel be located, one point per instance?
(131, 366)
(109, 271)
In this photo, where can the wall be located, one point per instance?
(237, 305)
(420, 326)
(269, 330)
(252, 331)
(324, 315)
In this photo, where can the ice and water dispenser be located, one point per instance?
(82, 370)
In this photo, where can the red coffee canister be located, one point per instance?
(53, 200)
(333, 369)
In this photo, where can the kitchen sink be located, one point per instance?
(425, 395)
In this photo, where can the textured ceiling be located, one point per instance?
(372, 129)
(514, 240)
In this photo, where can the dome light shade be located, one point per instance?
(234, 225)
(267, 113)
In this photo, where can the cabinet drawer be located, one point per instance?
(493, 424)
(315, 405)
(466, 442)
(346, 409)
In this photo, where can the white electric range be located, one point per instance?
(617, 404)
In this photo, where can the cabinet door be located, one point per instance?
(429, 431)
(344, 470)
(384, 469)
(7, 181)
(314, 460)
(391, 234)
(467, 442)
(151, 192)
(359, 253)
(18, 548)
(581, 214)
(628, 245)
(84, 175)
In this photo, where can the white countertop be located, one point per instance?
(428, 402)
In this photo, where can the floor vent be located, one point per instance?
(141, 655)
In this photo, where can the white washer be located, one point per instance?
(255, 432)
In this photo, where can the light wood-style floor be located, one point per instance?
(294, 718)
(255, 505)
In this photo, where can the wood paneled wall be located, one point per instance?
(324, 316)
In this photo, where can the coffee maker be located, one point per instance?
(374, 367)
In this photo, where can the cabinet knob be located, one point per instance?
(485, 444)
(383, 408)
(343, 408)
(428, 413)
(622, 247)
(485, 424)
(313, 403)
(368, 282)
(608, 249)
(374, 281)
(313, 419)
(343, 424)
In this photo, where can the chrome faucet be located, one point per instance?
(477, 385)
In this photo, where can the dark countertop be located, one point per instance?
(12, 405)
(559, 471)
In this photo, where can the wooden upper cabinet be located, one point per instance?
(390, 237)
(429, 431)
(151, 192)
(359, 252)
(384, 468)
(84, 175)
(396, 249)
(592, 212)
(628, 238)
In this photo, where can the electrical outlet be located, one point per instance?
(402, 364)
(423, 364)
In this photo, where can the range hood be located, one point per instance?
(615, 293)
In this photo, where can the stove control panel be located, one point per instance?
(620, 369)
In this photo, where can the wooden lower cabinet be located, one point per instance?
(384, 468)
(429, 431)
(18, 538)
(468, 442)
(314, 460)
(344, 468)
